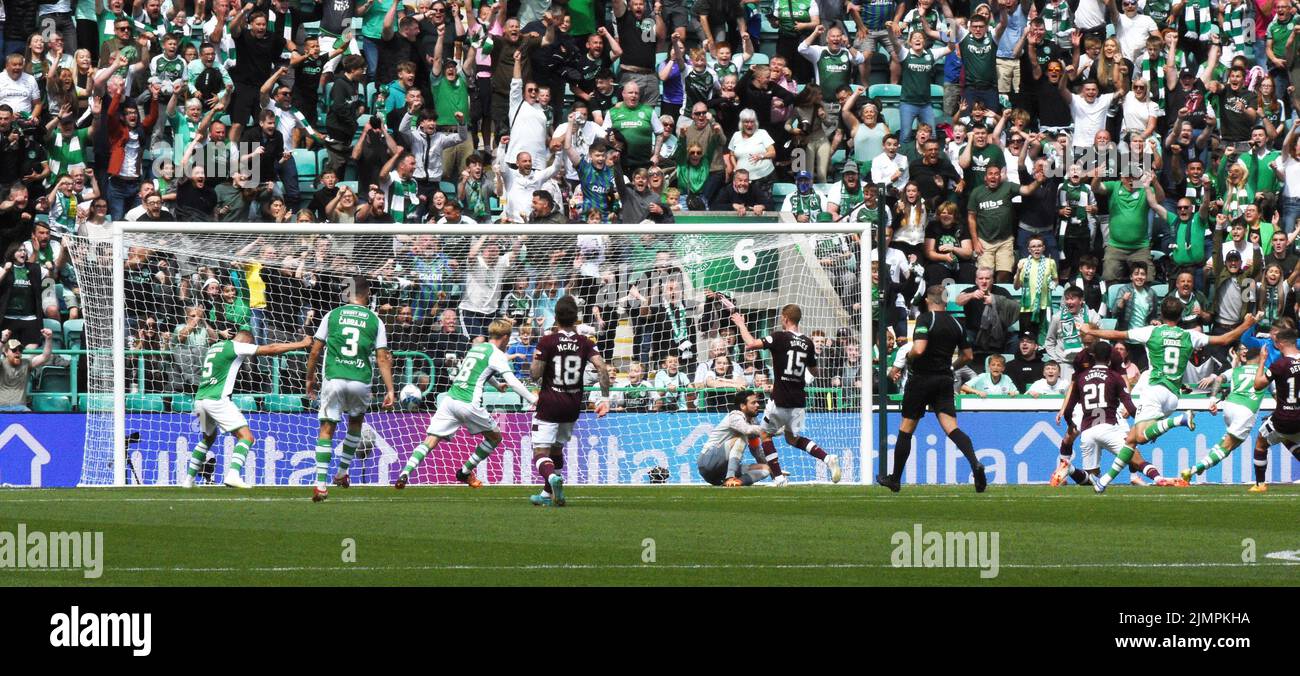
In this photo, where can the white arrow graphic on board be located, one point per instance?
(40, 456)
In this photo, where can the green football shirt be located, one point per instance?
(351, 334)
(478, 365)
(1169, 348)
(1129, 228)
(221, 367)
(1241, 384)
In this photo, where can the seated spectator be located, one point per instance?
(992, 381)
(520, 352)
(737, 196)
(446, 347)
(948, 248)
(1027, 367)
(670, 386)
(718, 387)
(987, 321)
(1196, 307)
(16, 370)
(1050, 384)
(635, 395)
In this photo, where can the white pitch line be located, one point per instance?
(453, 567)
(731, 496)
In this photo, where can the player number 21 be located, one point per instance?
(1094, 396)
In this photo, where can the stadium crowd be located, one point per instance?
(1122, 148)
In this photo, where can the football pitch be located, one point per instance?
(666, 535)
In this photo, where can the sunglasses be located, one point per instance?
(700, 113)
(1182, 208)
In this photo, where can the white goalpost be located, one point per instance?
(653, 297)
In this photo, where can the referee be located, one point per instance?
(937, 335)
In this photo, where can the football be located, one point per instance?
(410, 397)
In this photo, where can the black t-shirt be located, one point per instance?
(974, 309)
(1053, 111)
(255, 58)
(637, 50)
(944, 337)
(953, 236)
(1025, 372)
(924, 175)
(306, 85)
(792, 356)
(728, 196)
(194, 203)
(394, 51)
(1234, 123)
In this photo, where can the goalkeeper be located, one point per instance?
(719, 462)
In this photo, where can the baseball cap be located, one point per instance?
(13, 344)
(1029, 335)
(1232, 253)
(803, 176)
(851, 167)
(1187, 72)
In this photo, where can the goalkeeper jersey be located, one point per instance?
(351, 333)
(220, 368)
(734, 426)
(478, 365)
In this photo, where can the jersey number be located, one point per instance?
(566, 369)
(351, 337)
(1290, 392)
(466, 367)
(1171, 360)
(207, 368)
(794, 364)
(1094, 396)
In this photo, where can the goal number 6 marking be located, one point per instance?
(744, 254)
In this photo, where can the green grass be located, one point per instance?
(801, 535)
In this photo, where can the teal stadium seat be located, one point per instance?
(95, 403)
(182, 403)
(283, 403)
(51, 403)
(74, 334)
(145, 403)
(56, 328)
(245, 402)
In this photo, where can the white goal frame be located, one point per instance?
(121, 229)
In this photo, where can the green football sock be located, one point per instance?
(196, 459)
(240, 454)
(1216, 456)
(350, 443)
(1121, 461)
(1159, 427)
(481, 453)
(324, 451)
(417, 457)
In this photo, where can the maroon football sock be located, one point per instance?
(769, 453)
(546, 467)
(810, 447)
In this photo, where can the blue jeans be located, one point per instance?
(908, 112)
(289, 177)
(1290, 212)
(123, 195)
(370, 48)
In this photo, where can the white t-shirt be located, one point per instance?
(1133, 33)
(19, 94)
(882, 169)
(1136, 113)
(1090, 14)
(1041, 386)
(1089, 118)
(483, 284)
(1291, 168)
(757, 144)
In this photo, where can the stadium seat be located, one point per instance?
(779, 191)
(448, 188)
(245, 402)
(95, 403)
(51, 403)
(182, 403)
(56, 328)
(885, 92)
(53, 379)
(758, 59)
(1161, 290)
(283, 403)
(891, 115)
(308, 167)
(1108, 323)
(145, 403)
(74, 333)
(499, 400)
(352, 185)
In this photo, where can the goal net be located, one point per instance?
(656, 303)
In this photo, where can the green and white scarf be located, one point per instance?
(1198, 18)
(1036, 279)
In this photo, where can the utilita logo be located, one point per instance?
(75, 629)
